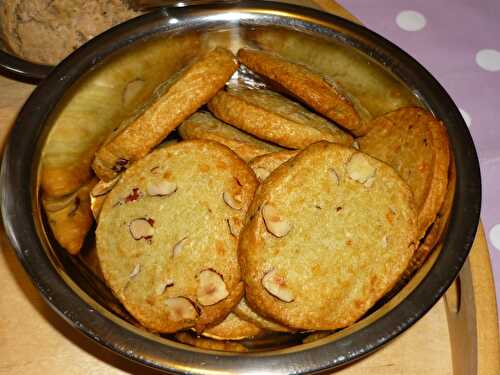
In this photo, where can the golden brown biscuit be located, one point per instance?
(202, 125)
(100, 102)
(316, 91)
(415, 144)
(168, 232)
(244, 311)
(210, 344)
(265, 164)
(323, 244)
(70, 217)
(232, 328)
(437, 229)
(173, 102)
(272, 117)
(372, 85)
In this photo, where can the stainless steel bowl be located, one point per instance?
(75, 293)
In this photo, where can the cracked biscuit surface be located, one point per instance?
(164, 238)
(323, 244)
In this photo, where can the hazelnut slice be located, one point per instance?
(359, 169)
(234, 225)
(160, 289)
(161, 188)
(181, 308)
(274, 223)
(141, 228)
(135, 271)
(233, 202)
(261, 173)
(334, 176)
(211, 288)
(176, 250)
(103, 187)
(355, 145)
(276, 286)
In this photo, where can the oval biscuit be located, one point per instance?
(173, 102)
(202, 125)
(272, 117)
(323, 95)
(415, 144)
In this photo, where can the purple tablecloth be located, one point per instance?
(458, 41)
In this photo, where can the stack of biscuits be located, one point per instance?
(288, 208)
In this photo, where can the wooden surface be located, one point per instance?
(35, 340)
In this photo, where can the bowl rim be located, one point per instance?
(19, 200)
(21, 69)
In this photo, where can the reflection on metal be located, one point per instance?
(330, 44)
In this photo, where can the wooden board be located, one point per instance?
(35, 340)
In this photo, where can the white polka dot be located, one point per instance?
(488, 59)
(466, 117)
(495, 236)
(411, 20)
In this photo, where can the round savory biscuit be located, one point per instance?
(313, 89)
(202, 125)
(272, 117)
(265, 164)
(232, 328)
(438, 228)
(328, 234)
(415, 144)
(246, 313)
(166, 236)
(173, 102)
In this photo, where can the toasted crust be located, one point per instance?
(351, 233)
(233, 328)
(246, 313)
(70, 217)
(272, 117)
(183, 234)
(265, 164)
(100, 102)
(438, 228)
(323, 95)
(202, 125)
(176, 100)
(415, 144)
(210, 344)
